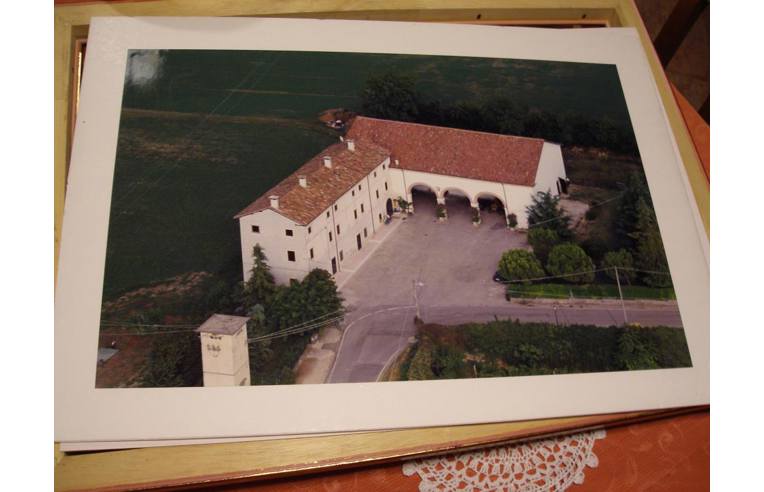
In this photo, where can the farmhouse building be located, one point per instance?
(323, 213)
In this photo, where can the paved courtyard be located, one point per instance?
(450, 262)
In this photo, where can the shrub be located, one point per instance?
(512, 220)
(595, 247)
(570, 260)
(519, 264)
(403, 204)
(542, 240)
(621, 259)
(440, 211)
(475, 215)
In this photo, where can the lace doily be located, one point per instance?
(547, 465)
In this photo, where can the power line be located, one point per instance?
(293, 331)
(144, 333)
(120, 201)
(616, 197)
(573, 274)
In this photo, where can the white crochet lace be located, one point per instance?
(547, 465)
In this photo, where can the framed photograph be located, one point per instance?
(268, 232)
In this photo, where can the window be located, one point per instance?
(338, 229)
(327, 214)
(309, 229)
(359, 187)
(289, 232)
(380, 217)
(352, 192)
(355, 213)
(342, 257)
(311, 253)
(375, 174)
(377, 193)
(365, 232)
(362, 208)
(330, 236)
(383, 166)
(385, 185)
(335, 207)
(256, 229)
(290, 255)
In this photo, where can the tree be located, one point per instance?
(174, 360)
(320, 295)
(519, 264)
(390, 96)
(542, 240)
(260, 287)
(570, 260)
(634, 190)
(635, 351)
(650, 256)
(546, 211)
(621, 259)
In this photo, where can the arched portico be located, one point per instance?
(490, 203)
(422, 196)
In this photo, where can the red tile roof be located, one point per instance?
(453, 152)
(325, 186)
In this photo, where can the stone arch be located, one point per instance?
(491, 195)
(483, 195)
(457, 192)
(422, 195)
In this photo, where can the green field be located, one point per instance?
(177, 186)
(203, 133)
(302, 84)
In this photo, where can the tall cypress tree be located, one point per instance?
(650, 255)
(260, 286)
(545, 211)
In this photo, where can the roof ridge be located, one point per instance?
(450, 128)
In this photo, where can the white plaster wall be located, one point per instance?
(275, 243)
(228, 366)
(515, 198)
(240, 355)
(551, 167)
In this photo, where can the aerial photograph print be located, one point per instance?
(292, 217)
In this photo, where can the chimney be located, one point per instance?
(303, 181)
(328, 161)
(351, 145)
(274, 201)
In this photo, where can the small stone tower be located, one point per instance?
(225, 353)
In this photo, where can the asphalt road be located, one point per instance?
(372, 338)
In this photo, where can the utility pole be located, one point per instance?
(620, 294)
(416, 299)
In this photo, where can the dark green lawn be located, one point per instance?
(179, 182)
